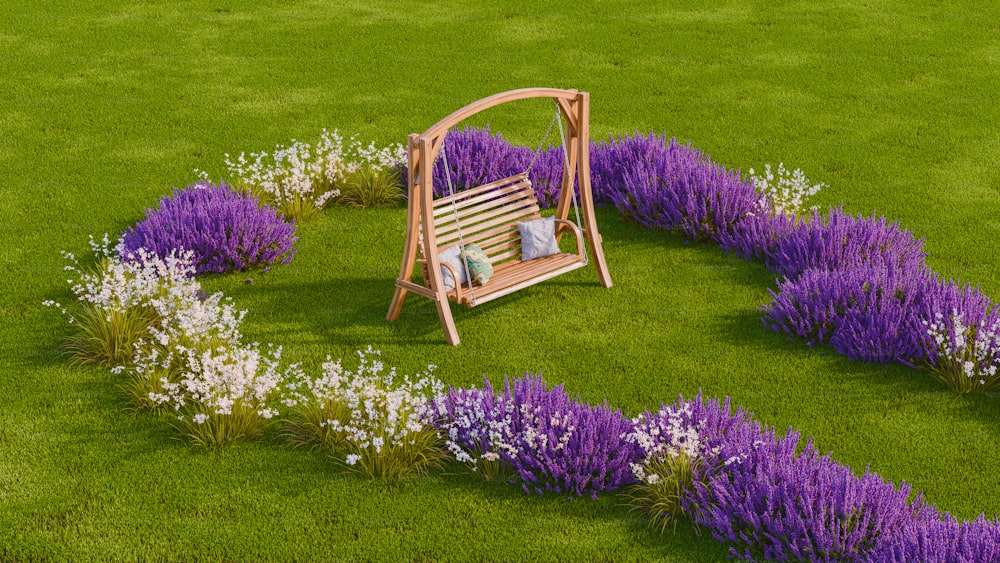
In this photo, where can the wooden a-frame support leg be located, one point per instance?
(396, 306)
(597, 254)
(447, 321)
(443, 310)
(419, 205)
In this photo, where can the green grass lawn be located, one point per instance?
(104, 106)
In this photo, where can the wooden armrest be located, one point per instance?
(576, 233)
(454, 276)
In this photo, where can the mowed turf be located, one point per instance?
(105, 106)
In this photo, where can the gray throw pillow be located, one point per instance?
(538, 238)
(451, 256)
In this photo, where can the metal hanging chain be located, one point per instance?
(567, 174)
(458, 225)
(538, 151)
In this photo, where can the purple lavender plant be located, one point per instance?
(839, 240)
(671, 187)
(608, 161)
(227, 231)
(942, 540)
(554, 443)
(867, 312)
(812, 305)
(476, 157)
(775, 504)
(477, 423)
(883, 324)
(757, 235)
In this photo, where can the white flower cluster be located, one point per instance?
(195, 340)
(666, 435)
(970, 351)
(386, 410)
(219, 380)
(304, 172)
(785, 193)
(486, 432)
(141, 280)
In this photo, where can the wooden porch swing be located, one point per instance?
(487, 215)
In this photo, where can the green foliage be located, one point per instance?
(306, 424)
(369, 186)
(659, 496)
(423, 452)
(293, 207)
(138, 386)
(492, 469)
(216, 429)
(105, 337)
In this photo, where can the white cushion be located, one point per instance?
(451, 256)
(538, 238)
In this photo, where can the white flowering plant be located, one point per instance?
(121, 299)
(298, 180)
(674, 454)
(376, 422)
(179, 348)
(965, 357)
(784, 192)
(190, 324)
(224, 394)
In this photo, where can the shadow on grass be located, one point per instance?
(893, 382)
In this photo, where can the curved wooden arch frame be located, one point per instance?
(422, 150)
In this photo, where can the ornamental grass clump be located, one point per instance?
(223, 394)
(554, 443)
(188, 357)
(965, 357)
(680, 445)
(960, 341)
(671, 453)
(300, 179)
(376, 423)
(120, 300)
(372, 187)
(225, 231)
(189, 325)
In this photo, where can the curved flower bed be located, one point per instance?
(859, 284)
(752, 489)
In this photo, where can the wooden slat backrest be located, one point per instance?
(487, 217)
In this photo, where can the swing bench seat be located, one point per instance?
(487, 216)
